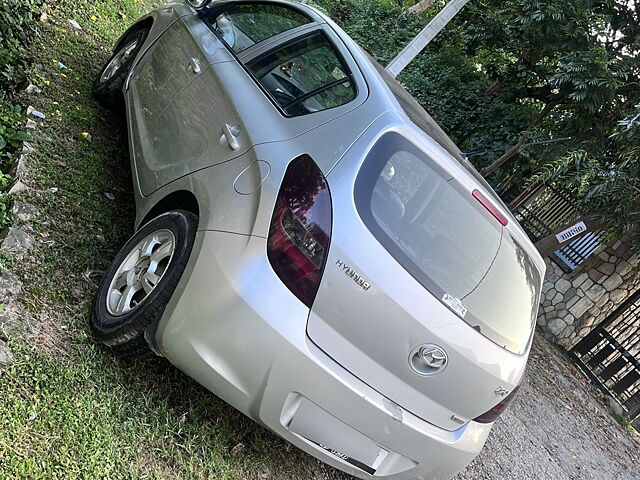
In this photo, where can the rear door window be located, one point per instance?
(447, 241)
(245, 24)
(304, 76)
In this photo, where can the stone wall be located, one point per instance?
(574, 303)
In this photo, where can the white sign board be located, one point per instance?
(571, 232)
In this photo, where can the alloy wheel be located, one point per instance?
(119, 59)
(140, 273)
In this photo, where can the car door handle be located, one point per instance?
(230, 136)
(194, 65)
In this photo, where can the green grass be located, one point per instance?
(68, 408)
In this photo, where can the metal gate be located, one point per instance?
(610, 355)
(543, 210)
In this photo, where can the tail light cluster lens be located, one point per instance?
(495, 412)
(300, 229)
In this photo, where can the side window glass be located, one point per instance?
(244, 25)
(305, 76)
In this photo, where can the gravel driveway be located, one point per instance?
(556, 429)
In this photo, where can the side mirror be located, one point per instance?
(198, 5)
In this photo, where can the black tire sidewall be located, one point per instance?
(109, 93)
(107, 327)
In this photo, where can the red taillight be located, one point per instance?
(490, 207)
(301, 229)
(496, 411)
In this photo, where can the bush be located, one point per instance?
(17, 28)
(18, 21)
(443, 79)
(11, 133)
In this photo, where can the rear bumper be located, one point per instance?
(237, 330)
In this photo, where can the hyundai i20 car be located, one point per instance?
(310, 245)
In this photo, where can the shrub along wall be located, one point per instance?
(574, 303)
(18, 21)
(18, 27)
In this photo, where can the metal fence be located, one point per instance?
(545, 209)
(610, 355)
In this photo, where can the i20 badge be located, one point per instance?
(501, 392)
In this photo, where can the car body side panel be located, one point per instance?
(185, 133)
(223, 208)
(190, 134)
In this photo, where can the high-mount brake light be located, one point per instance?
(300, 229)
(484, 201)
(495, 412)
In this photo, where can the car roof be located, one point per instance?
(392, 95)
(409, 109)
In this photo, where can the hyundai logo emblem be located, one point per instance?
(428, 359)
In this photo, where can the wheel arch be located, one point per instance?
(144, 22)
(157, 21)
(177, 200)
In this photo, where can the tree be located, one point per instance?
(516, 83)
(421, 6)
(568, 59)
(608, 185)
(598, 113)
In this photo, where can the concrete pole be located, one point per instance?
(427, 34)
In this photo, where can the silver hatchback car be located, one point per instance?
(310, 245)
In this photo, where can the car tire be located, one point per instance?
(141, 280)
(107, 87)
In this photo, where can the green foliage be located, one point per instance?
(12, 132)
(552, 54)
(11, 137)
(444, 79)
(607, 182)
(627, 423)
(17, 28)
(381, 28)
(5, 218)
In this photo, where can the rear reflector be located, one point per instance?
(496, 411)
(490, 207)
(300, 229)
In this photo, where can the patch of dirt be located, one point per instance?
(556, 429)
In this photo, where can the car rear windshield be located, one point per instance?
(448, 241)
